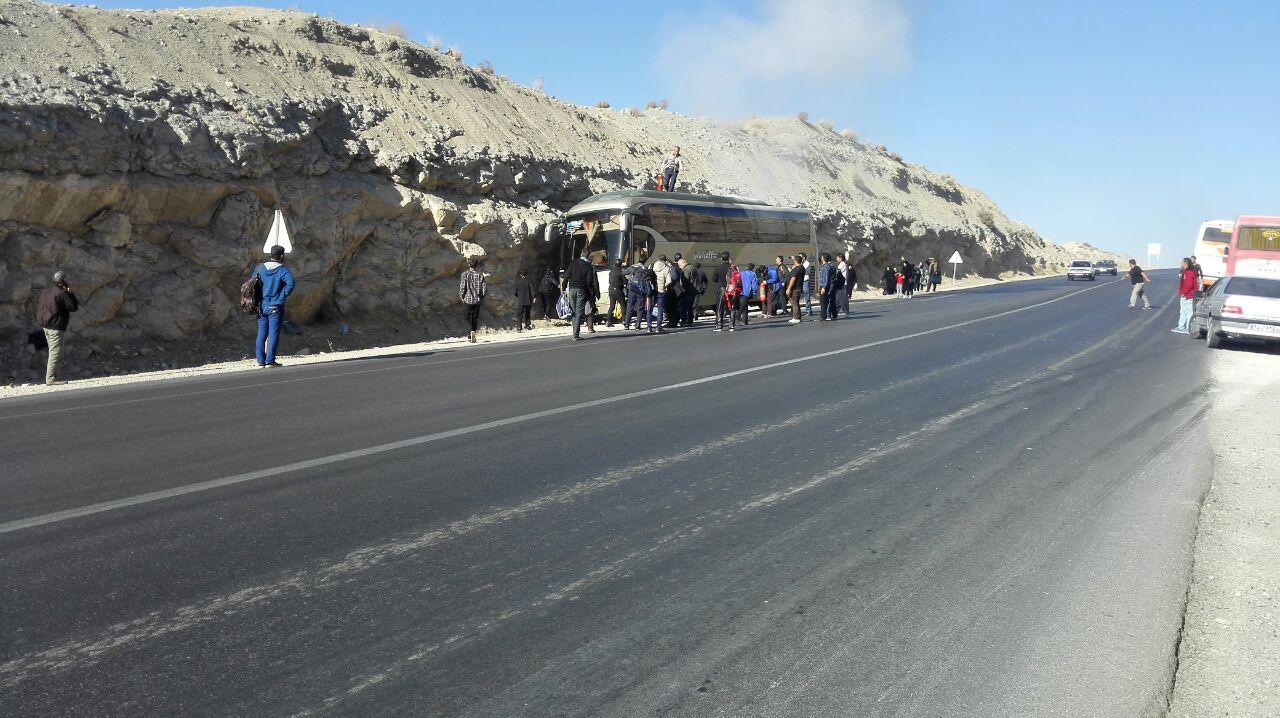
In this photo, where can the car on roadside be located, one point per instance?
(1237, 308)
(1106, 266)
(1081, 269)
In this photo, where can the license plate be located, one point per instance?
(1268, 328)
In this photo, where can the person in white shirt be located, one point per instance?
(671, 167)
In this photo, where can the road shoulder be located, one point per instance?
(1229, 655)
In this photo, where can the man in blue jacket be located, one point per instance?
(750, 290)
(277, 285)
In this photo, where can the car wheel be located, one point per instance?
(1212, 339)
(1193, 329)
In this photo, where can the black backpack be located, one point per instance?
(251, 295)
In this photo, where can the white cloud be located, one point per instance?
(726, 63)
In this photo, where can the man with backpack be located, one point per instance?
(275, 284)
(639, 291)
(53, 313)
(730, 293)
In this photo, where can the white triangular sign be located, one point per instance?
(279, 235)
(955, 258)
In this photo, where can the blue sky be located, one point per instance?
(1115, 123)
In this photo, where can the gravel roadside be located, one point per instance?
(1229, 656)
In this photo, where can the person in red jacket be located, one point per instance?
(1189, 282)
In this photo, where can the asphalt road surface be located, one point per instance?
(978, 503)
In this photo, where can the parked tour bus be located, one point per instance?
(1255, 247)
(641, 225)
(1211, 249)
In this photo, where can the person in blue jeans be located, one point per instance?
(806, 289)
(277, 285)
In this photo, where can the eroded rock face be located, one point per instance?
(144, 153)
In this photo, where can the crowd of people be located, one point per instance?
(907, 278)
(672, 292)
(667, 294)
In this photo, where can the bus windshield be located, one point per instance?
(600, 233)
(1259, 239)
(1215, 235)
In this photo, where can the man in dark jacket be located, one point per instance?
(579, 281)
(617, 289)
(675, 291)
(53, 314)
(719, 279)
(523, 289)
(277, 285)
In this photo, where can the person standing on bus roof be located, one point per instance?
(578, 280)
(1138, 279)
(671, 167)
(795, 287)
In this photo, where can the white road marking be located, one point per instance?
(176, 491)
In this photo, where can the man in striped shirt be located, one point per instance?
(471, 291)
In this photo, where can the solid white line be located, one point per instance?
(176, 491)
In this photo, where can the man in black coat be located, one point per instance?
(719, 279)
(617, 289)
(523, 289)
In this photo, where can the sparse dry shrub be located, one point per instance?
(803, 117)
(538, 85)
(849, 134)
(655, 105)
(894, 156)
(827, 125)
(455, 53)
(435, 42)
(986, 217)
(635, 112)
(603, 105)
(393, 28)
(485, 67)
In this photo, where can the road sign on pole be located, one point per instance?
(1153, 255)
(956, 261)
(279, 235)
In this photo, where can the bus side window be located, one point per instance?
(706, 224)
(738, 226)
(770, 227)
(798, 229)
(668, 220)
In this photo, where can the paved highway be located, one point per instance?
(978, 503)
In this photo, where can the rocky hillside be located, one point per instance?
(144, 153)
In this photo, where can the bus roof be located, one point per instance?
(1257, 220)
(622, 199)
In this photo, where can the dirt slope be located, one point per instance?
(144, 153)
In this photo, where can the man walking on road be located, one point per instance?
(578, 279)
(523, 290)
(1139, 279)
(795, 286)
(1188, 283)
(53, 314)
(277, 285)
